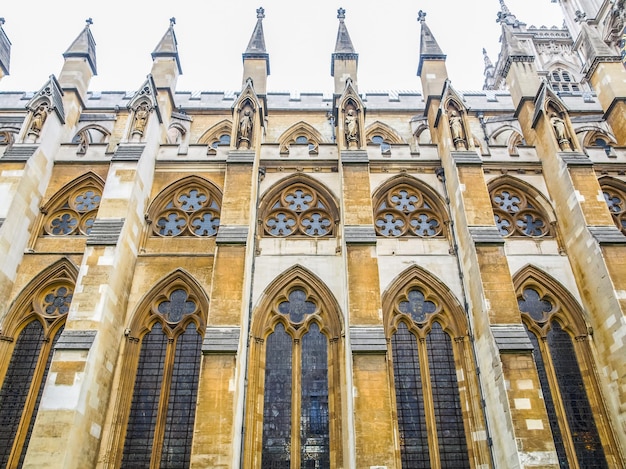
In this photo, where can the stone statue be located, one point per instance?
(39, 117)
(245, 129)
(561, 133)
(141, 119)
(456, 128)
(352, 129)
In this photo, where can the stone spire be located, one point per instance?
(84, 46)
(79, 62)
(165, 61)
(432, 61)
(344, 61)
(5, 51)
(168, 46)
(489, 72)
(256, 60)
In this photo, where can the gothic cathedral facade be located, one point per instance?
(340, 280)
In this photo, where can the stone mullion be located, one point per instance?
(166, 384)
(335, 378)
(429, 406)
(296, 402)
(253, 438)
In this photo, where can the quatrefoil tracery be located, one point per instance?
(189, 212)
(515, 215)
(76, 215)
(299, 210)
(616, 201)
(406, 211)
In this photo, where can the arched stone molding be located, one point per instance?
(89, 134)
(416, 304)
(148, 313)
(545, 304)
(507, 135)
(176, 133)
(297, 131)
(298, 205)
(404, 205)
(28, 335)
(73, 209)
(141, 106)
(520, 209)
(190, 206)
(218, 135)
(614, 191)
(389, 134)
(352, 118)
(593, 136)
(322, 313)
(8, 136)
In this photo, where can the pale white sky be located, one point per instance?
(300, 38)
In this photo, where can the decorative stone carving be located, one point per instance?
(246, 126)
(560, 131)
(457, 129)
(351, 129)
(142, 112)
(39, 118)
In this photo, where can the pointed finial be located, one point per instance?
(89, 21)
(341, 14)
(486, 58)
(260, 13)
(504, 8)
(421, 16)
(172, 21)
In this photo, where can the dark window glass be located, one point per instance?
(145, 404)
(549, 401)
(580, 419)
(446, 401)
(410, 400)
(314, 426)
(181, 407)
(277, 401)
(16, 386)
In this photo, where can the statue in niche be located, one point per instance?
(456, 128)
(352, 129)
(560, 131)
(39, 118)
(141, 119)
(244, 133)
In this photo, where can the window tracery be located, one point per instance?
(87, 136)
(217, 136)
(562, 80)
(30, 333)
(299, 209)
(404, 210)
(188, 208)
(517, 214)
(570, 392)
(615, 197)
(73, 212)
(159, 383)
(298, 383)
(301, 133)
(429, 373)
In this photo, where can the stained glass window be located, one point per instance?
(191, 210)
(27, 370)
(556, 361)
(516, 214)
(299, 210)
(296, 389)
(163, 406)
(406, 211)
(75, 213)
(616, 201)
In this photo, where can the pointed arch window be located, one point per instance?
(297, 384)
(517, 214)
(299, 208)
(427, 356)
(161, 396)
(561, 80)
(73, 211)
(190, 207)
(561, 355)
(404, 210)
(32, 330)
(615, 197)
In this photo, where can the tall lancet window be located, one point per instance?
(580, 430)
(29, 334)
(297, 384)
(434, 381)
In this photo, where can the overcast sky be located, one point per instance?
(300, 38)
